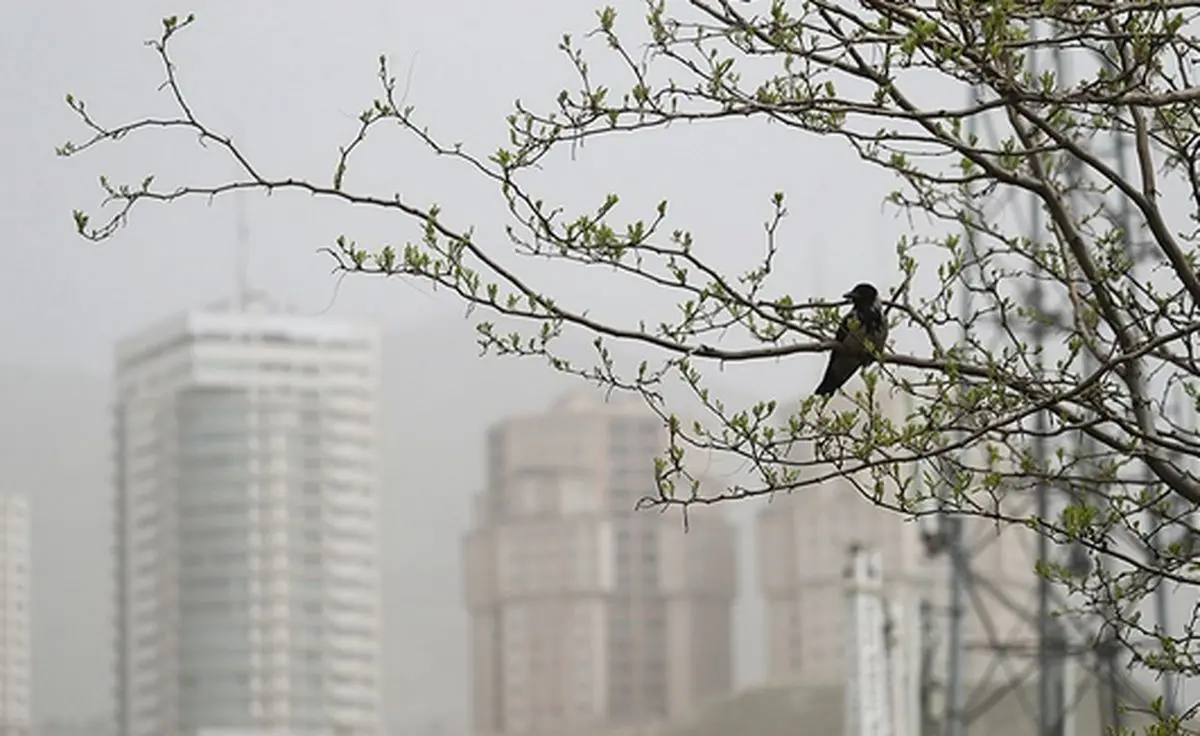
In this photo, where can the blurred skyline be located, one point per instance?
(425, 499)
(289, 80)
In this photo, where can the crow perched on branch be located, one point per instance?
(862, 330)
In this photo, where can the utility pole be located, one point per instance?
(1110, 647)
(1056, 658)
(950, 533)
(927, 723)
(956, 718)
(1164, 523)
(241, 265)
(1050, 644)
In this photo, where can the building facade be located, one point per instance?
(248, 592)
(99, 726)
(587, 614)
(15, 667)
(803, 538)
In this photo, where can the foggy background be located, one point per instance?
(288, 80)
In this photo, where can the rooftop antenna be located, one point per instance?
(241, 296)
(243, 247)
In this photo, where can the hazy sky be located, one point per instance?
(289, 80)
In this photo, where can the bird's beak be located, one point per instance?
(848, 295)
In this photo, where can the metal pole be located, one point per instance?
(1046, 699)
(952, 524)
(1063, 683)
(1169, 686)
(956, 724)
(955, 701)
(1046, 679)
(1163, 608)
(926, 725)
(1110, 649)
(952, 527)
(1066, 709)
(897, 640)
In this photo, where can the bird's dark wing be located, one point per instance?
(842, 365)
(855, 332)
(845, 359)
(877, 335)
(872, 333)
(843, 330)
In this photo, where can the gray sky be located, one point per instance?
(289, 80)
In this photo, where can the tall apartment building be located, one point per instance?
(803, 538)
(247, 566)
(99, 726)
(585, 613)
(15, 671)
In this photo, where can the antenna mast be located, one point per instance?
(241, 297)
(242, 266)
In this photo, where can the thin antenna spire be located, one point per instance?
(242, 246)
(241, 297)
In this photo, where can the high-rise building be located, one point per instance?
(248, 592)
(97, 726)
(15, 671)
(803, 539)
(586, 613)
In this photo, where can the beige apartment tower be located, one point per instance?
(586, 614)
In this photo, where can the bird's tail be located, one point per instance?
(829, 383)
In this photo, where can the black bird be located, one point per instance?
(861, 327)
